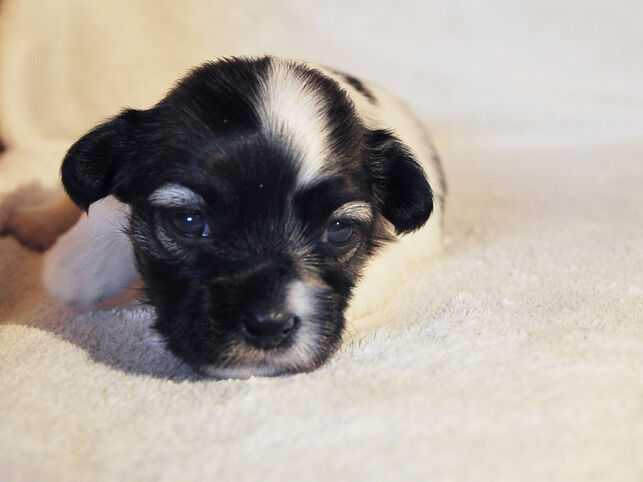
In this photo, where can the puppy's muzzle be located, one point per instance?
(269, 330)
(258, 304)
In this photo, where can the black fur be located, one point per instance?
(267, 231)
(399, 184)
(359, 86)
(90, 169)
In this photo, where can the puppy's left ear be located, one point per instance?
(400, 185)
(96, 164)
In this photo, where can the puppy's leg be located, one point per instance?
(94, 260)
(35, 223)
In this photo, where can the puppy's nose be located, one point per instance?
(269, 330)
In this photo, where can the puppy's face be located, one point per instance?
(257, 197)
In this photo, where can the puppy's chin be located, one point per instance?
(311, 346)
(249, 361)
(247, 371)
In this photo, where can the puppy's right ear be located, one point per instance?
(97, 163)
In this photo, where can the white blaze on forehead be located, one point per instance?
(291, 110)
(175, 196)
(357, 210)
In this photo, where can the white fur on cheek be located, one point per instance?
(300, 299)
(94, 260)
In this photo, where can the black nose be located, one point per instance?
(269, 330)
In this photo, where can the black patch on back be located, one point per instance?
(358, 85)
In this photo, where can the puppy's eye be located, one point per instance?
(340, 232)
(190, 225)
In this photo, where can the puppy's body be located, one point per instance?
(256, 200)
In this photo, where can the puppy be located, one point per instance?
(257, 200)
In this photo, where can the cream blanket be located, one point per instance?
(517, 355)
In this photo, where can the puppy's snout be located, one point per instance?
(269, 330)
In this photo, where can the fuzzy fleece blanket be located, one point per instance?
(516, 355)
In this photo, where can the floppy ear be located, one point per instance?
(93, 166)
(400, 185)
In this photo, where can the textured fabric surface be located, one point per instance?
(516, 355)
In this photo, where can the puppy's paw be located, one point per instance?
(94, 261)
(80, 277)
(32, 230)
(36, 217)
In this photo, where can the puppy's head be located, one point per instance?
(257, 196)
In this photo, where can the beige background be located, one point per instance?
(515, 356)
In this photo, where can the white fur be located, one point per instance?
(290, 109)
(300, 299)
(244, 372)
(175, 196)
(94, 260)
(357, 210)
